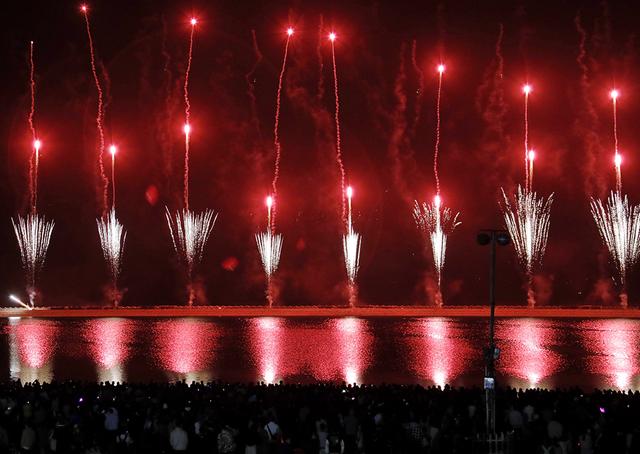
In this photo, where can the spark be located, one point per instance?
(528, 221)
(100, 113)
(187, 115)
(33, 233)
(276, 128)
(351, 242)
(17, 300)
(436, 223)
(190, 232)
(112, 238)
(619, 226)
(332, 36)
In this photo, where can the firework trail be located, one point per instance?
(33, 233)
(189, 234)
(276, 125)
(33, 160)
(270, 247)
(528, 218)
(351, 242)
(434, 220)
(618, 222)
(100, 114)
(332, 38)
(187, 115)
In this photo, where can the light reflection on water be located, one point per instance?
(535, 352)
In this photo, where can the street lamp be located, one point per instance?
(491, 237)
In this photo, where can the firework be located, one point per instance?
(269, 245)
(332, 38)
(618, 222)
(33, 233)
(528, 222)
(100, 113)
(436, 223)
(619, 226)
(351, 244)
(17, 300)
(189, 233)
(112, 237)
(528, 217)
(187, 115)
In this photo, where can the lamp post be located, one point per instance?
(491, 237)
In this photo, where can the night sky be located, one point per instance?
(490, 49)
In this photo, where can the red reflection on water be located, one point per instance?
(108, 340)
(185, 346)
(526, 351)
(332, 350)
(612, 345)
(35, 340)
(439, 354)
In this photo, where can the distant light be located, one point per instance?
(332, 36)
(532, 155)
(269, 201)
(194, 21)
(15, 299)
(83, 8)
(112, 150)
(527, 89)
(187, 129)
(349, 191)
(290, 31)
(441, 68)
(37, 144)
(437, 201)
(614, 94)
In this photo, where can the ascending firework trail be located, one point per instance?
(351, 240)
(189, 231)
(33, 231)
(618, 222)
(269, 242)
(435, 221)
(528, 218)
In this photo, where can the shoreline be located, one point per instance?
(323, 312)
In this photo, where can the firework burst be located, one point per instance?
(619, 226)
(436, 223)
(33, 233)
(527, 221)
(189, 233)
(351, 242)
(112, 238)
(269, 246)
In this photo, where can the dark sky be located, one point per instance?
(142, 46)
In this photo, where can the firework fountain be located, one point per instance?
(618, 221)
(112, 237)
(189, 230)
(33, 231)
(435, 221)
(351, 240)
(269, 242)
(528, 217)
